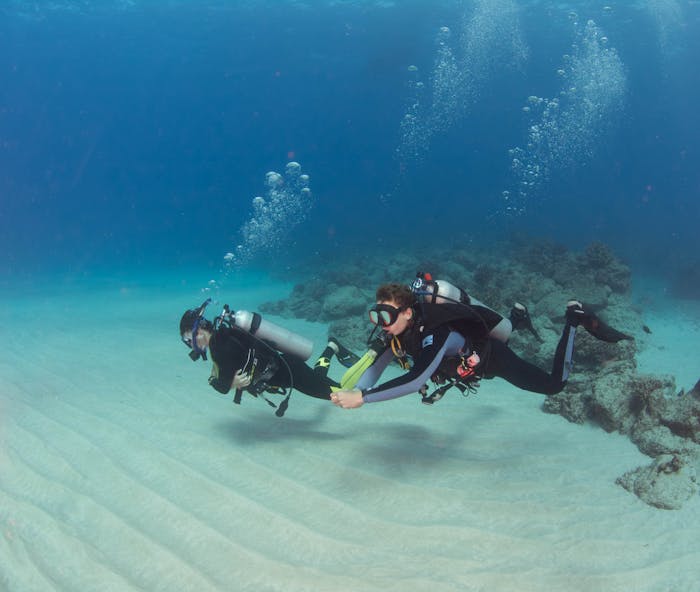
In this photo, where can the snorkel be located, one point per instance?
(198, 315)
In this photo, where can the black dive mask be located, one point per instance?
(199, 319)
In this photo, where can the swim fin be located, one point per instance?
(576, 314)
(520, 319)
(350, 378)
(344, 355)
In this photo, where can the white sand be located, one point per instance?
(121, 469)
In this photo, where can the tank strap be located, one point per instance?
(255, 323)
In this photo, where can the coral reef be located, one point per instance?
(667, 483)
(646, 409)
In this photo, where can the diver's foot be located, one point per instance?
(344, 355)
(519, 316)
(520, 319)
(576, 314)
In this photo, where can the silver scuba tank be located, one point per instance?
(278, 337)
(441, 291)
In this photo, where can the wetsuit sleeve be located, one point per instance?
(225, 352)
(220, 385)
(373, 373)
(435, 346)
(221, 377)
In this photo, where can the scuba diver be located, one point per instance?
(252, 354)
(455, 342)
(438, 292)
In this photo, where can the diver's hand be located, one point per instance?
(347, 399)
(241, 380)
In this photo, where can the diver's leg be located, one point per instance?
(563, 355)
(306, 380)
(324, 361)
(503, 362)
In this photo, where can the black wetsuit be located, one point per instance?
(435, 345)
(233, 350)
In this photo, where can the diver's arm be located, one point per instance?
(442, 342)
(241, 381)
(437, 345)
(373, 373)
(219, 385)
(222, 372)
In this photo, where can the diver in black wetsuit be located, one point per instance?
(244, 361)
(450, 340)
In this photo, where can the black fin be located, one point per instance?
(520, 319)
(344, 355)
(603, 331)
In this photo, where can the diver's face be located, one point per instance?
(400, 317)
(202, 338)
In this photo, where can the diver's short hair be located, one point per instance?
(188, 319)
(398, 293)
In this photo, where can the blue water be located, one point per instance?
(136, 134)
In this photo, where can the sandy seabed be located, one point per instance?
(121, 470)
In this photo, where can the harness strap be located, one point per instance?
(259, 383)
(399, 353)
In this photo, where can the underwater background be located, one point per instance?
(134, 135)
(287, 157)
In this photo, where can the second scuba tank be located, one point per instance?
(438, 291)
(278, 337)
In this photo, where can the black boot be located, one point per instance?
(520, 319)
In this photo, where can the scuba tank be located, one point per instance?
(438, 291)
(278, 337)
(428, 290)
